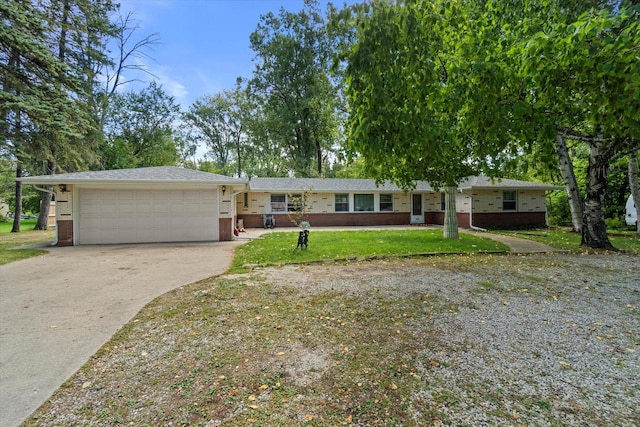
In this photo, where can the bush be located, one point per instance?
(615, 224)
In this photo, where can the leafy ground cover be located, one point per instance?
(9, 241)
(458, 340)
(280, 248)
(564, 238)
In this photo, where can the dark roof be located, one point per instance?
(159, 174)
(354, 185)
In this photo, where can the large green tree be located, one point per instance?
(291, 80)
(419, 87)
(43, 55)
(140, 130)
(581, 70)
(219, 122)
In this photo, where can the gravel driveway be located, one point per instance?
(558, 335)
(536, 340)
(56, 310)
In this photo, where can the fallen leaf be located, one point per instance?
(86, 384)
(253, 406)
(308, 417)
(281, 353)
(263, 387)
(251, 397)
(349, 419)
(394, 387)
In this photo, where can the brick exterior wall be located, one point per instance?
(334, 219)
(509, 219)
(483, 220)
(225, 229)
(65, 233)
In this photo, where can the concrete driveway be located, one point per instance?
(58, 309)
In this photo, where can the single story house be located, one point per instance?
(170, 204)
(480, 202)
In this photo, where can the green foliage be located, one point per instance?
(292, 86)
(420, 82)
(140, 130)
(219, 122)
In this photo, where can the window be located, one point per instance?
(443, 203)
(509, 201)
(386, 203)
(363, 202)
(342, 203)
(278, 202)
(246, 200)
(294, 203)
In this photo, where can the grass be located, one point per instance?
(280, 248)
(27, 235)
(564, 238)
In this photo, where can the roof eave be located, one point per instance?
(54, 181)
(498, 187)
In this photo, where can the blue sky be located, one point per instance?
(204, 44)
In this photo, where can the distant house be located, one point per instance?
(170, 204)
(4, 209)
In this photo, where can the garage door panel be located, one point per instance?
(143, 216)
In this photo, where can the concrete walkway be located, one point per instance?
(58, 309)
(516, 244)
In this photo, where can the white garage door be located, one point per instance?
(143, 216)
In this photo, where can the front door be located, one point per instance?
(417, 213)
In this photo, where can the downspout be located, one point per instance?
(53, 193)
(471, 226)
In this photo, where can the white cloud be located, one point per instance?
(161, 74)
(170, 85)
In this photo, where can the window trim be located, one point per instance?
(443, 201)
(373, 203)
(283, 203)
(507, 203)
(335, 203)
(388, 205)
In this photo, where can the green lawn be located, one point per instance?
(563, 238)
(26, 236)
(280, 248)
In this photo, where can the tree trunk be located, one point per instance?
(594, 229)
(570, 183)
(450, 217)
(18, 211)
(633, 183)
(239, 153)
(319, 154)
(45, 202)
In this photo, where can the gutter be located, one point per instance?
(53, 193)
(473, 227)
